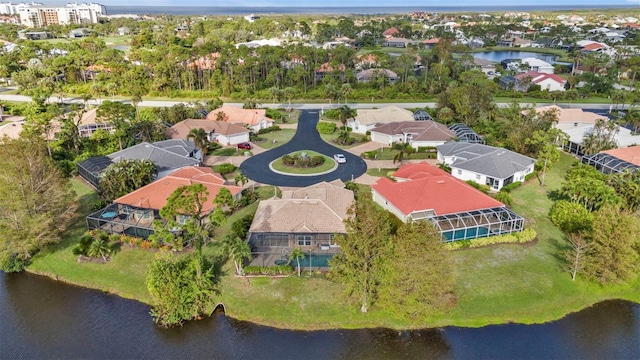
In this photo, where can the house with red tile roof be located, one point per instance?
(133, 214)
(392, 31)
(430, 43)
(458, 210)
(550, 82)
(615, 160)
(326, 69)
(253, 119)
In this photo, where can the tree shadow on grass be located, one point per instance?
(560, 246)
(556, 195)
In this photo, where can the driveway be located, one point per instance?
(257, 169)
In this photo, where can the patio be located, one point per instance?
(124, 220)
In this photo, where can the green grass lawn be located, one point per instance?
(281, 137)
(326, 166)
(330, 138)
(389, 154)
(108, 40)
(380, 172)
(497, 284)
(226, 151)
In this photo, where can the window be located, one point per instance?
(304, 240)
(182, 219)
(477, 176)
(459, 172)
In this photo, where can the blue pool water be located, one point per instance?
(313, 261)
(471, 233)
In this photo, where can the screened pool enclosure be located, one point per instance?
(474, 224)
(124, 220)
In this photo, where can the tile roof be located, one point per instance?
(369, 73)
(154, 195)
(390, 31)
(592, 47)
(383, 115)
(495, 162)
(431, 41)
(319, 208)
(326, 67)
(629, 154)
(572, 115)
(236, 115)
(538, 77)
(181, 130)
(430, 188)
(426, 130)
(166, 155)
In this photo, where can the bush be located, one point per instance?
(248, 197)
(570, 217)
(99, 204)
(427, 149)
(332, 114)
(13, 263)
(241, 226)
(226, 168)
(484, 188)
(513, 185)
(504, 197)
(530, 176)
(521, 237)
(269, 129)
(326, 127)
(269, 270)
(369, 154)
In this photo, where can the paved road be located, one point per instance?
(362, 105)
(257, 169)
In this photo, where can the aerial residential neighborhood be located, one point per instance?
(407, 169)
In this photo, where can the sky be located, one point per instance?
(351, 3)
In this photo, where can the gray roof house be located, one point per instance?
(167, 155)
(485, 164)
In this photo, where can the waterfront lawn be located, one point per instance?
(124, 274)
(498, 284)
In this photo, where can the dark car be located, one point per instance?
(244, 145)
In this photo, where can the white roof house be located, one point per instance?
(367, 119)
(538, 65)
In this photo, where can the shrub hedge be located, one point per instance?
(326, 127)
(524, 236)
(269, 270)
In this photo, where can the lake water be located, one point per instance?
(44, 319)
(498, 56)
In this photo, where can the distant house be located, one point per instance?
(486, 66)
(133, 214)
(570, 117)
(623, 138)
(365, 76)
(207, 62)
(253, 119)
(396, 42)
(549, 82)
(459, 211)
(222, 132)
(367, 119)
(416, 133)
(390, 32)
(80, 32)
(91, 72)
(431, 43)
(615, 160)
(327, 69)
(167, 155)
(306, 218)
(532, 64)
(485, 164)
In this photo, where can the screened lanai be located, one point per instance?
(124, 220)
(608, 164)
(466, 134)
(421, 115)
(474, 224)
(91, 168)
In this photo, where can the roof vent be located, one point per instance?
(440, 181)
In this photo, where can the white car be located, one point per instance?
(339, 158)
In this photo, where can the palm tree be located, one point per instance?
(575, 55)
(297, 254)
(405, 148)
(221, 116)
(345, 90)
(238, 250)
(200, 139)
(345, 113)
(99, 247)
(343, 137)
(241, 178)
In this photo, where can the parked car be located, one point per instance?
(339, 158)
(244, 145)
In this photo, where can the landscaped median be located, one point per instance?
(304, 162)
(523, 283)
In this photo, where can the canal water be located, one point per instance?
(498, 56)
(44, 319)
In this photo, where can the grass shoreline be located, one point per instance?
(509, 283)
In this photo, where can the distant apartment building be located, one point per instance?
(38, 15)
